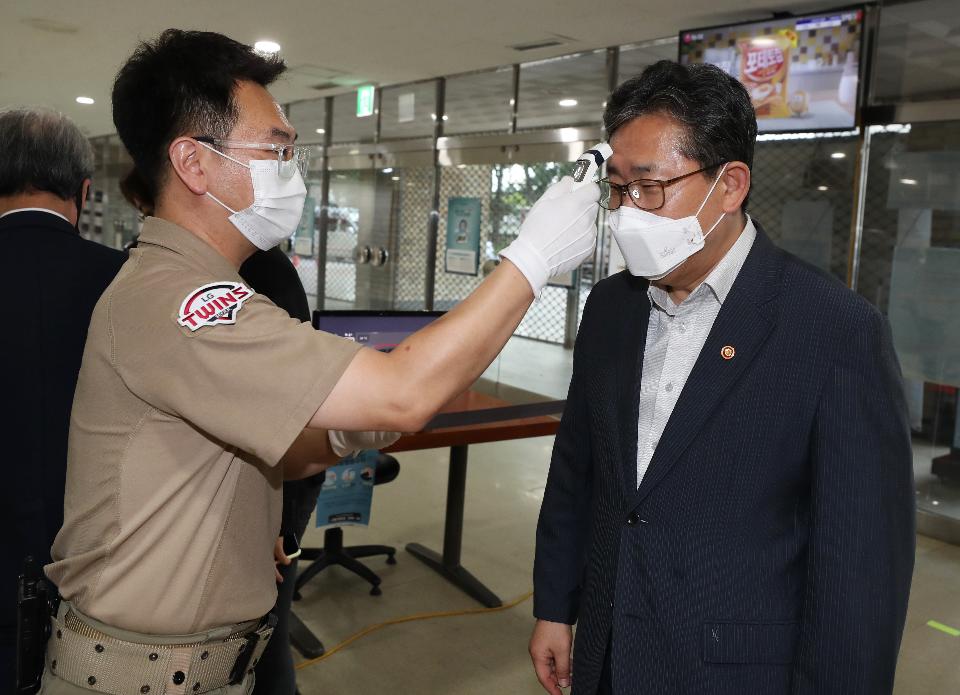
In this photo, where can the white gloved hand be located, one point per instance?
(559, 233)
(346, 444)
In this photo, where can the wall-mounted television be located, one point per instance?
(803, 72)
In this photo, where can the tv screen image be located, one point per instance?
(380, 330)
(803, 73)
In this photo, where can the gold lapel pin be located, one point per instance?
(727, 352)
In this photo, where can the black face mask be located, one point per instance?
(79, 201)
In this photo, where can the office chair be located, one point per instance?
(334, 553)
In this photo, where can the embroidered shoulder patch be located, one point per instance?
(213, 304)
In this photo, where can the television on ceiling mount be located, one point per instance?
(803, 72)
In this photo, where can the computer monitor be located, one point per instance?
(803, 72)
(381, 330)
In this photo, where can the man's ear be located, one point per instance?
(185, 155)
(736, 182)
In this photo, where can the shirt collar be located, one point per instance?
(49, 212)
(720, 280)
(170, 236)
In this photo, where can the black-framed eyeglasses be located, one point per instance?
(646, 194)
(290, 158)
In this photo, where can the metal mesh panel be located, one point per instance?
(506, 192)
(416, 195)
(802, 194)
(343, 226)
(304, 248)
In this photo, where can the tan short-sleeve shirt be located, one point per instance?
(192, 388)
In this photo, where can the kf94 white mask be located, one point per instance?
(655, 246)
(277, 203)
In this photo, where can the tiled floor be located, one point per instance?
(486, 653)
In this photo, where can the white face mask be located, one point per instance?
(655, 246)
(277, 203)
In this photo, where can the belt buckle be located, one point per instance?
(242, 664)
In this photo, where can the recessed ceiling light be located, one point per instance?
(822, 188)
(320, 131)
(839, 155)
(388, 170)
(395, 178)
(567, 102)
(84, 100)
(909, 182)
(266, 47)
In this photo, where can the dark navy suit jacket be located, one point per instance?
(50, 279)
(769, 548)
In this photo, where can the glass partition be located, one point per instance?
(566, 91)
(803, 195)
(479, 102)
(348, 127)
(308, 117)
(910, 268)
(918, 52)
(408, 111)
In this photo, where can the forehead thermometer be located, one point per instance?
(589, 164)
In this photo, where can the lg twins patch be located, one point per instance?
(213, 305)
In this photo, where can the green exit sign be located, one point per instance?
(365, 101)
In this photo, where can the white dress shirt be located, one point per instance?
(675, 337)
(10, 212)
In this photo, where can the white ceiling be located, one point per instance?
(51, 51)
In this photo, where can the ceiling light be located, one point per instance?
(388, 170)
(354, 152)
(567, 102)
(266, 47)
(320, 131)
(445, 117)
(839, 155)
(395, 178)
(84, 100)
(822, 188)
(909, 182)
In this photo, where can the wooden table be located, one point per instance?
(472, 418)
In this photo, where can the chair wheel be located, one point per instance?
(375, 591)
(391, 560)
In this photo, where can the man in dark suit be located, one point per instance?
(50, 279)
(729, 508)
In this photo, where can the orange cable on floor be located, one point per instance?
(409, 619)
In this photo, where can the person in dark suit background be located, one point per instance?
(51, 279)
(730, 505)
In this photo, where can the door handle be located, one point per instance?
(379, 257)
(362, 254)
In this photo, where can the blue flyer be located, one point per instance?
(347, 491)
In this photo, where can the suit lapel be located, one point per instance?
(744, 323)
(630, 368)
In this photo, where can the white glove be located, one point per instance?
(346, 444)
(560, 232)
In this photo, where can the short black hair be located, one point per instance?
(713, 108)
(183, 83)
(44, 151)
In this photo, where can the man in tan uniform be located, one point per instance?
(197, 396)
